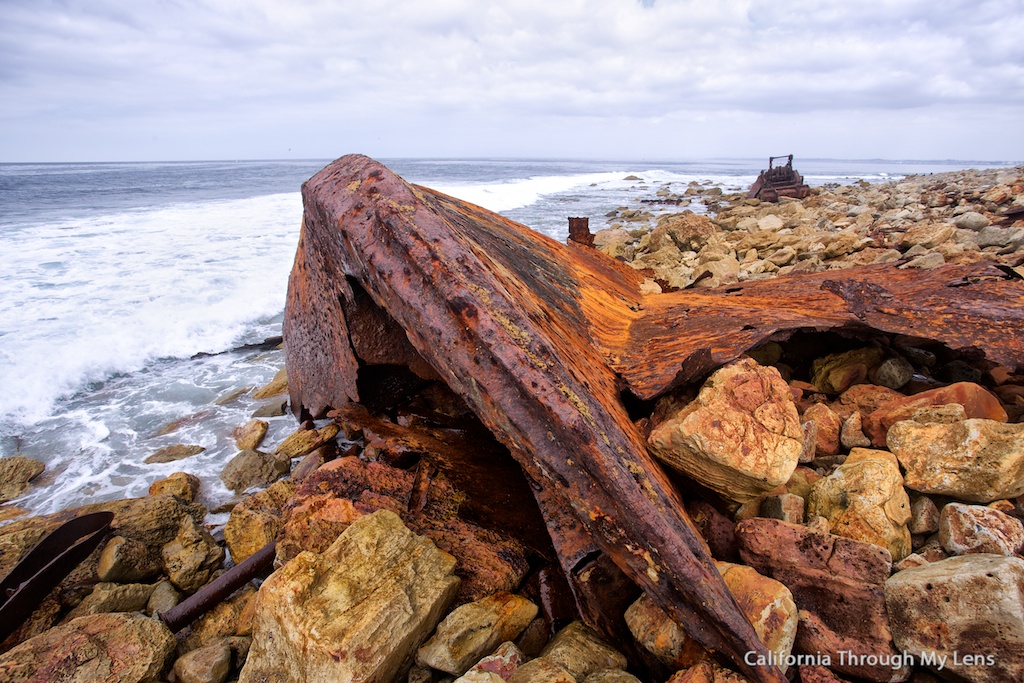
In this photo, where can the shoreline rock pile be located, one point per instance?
(862, 496)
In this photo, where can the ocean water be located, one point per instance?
(135, 298)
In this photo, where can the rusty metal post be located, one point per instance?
(579, 231)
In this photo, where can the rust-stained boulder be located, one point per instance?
(977, 403)
(962, 615)
(837, 372)
(355, 612)
(864, 499)
(767, 603)
(836, 584)
(101, 648)
(829, 425)
(975, 460)
(474, 630)
(741, 436)
(967, 529)
(256, 520)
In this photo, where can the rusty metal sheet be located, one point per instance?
(525, 330)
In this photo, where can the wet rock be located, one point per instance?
(474, 630)
(251, 434)
(967, 529)
(767, 603)
(358, 611)
(272, 409)
(864, 499)
(276, 386)
(114, 597)
(829, 425)
(964, 613)
(836, 584)
(254, 468)
(741, 436)
(975, 460)
(192, 557)
(105, 648)
(16, 472)
(180, 484)
(977, 402)
(304, 441)
(126, 560)
(178, 451)
(256, 521)
(924, 516)
(837, 372)
(580, 651)
(310, 463)
(210, 664)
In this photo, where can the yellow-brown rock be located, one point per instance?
(474, 630)
(256, 520)
(837, 372)
(741, 436)
(16, 472)
(975, 399)
(304, 441)
(192, 557)
(767, 603)
(180, 484)
(864, 499)
(250, 435)
(707, 672)
(974, 460)
(829, 425)
(581, 651)
(276, 386)
(356, 612)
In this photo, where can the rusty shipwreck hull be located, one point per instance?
(539, 338)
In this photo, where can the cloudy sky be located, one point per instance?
(92, 80)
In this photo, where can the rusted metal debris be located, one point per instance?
(540, 338)
(779, 181)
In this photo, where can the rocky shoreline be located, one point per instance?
(861, 495)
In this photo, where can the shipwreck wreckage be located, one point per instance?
(542, 340)
(779, 181)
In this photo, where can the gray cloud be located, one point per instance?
(175, 77)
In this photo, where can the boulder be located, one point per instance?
(975, 460)
(864, 399)
(963, 615)
(580, 651)
(356, 612)
(852, 434)
(927, 235)
(126, 560)
(541, 670)
(256, 521)
(788, 507)
(178, 451)
(924, 516)
(829, 425)
(687, 231)
(254, 468)
(971, 220)
(250, 435)
(892, 373)
(227, 619)
(180, 484)
(275, 387)
(164, 597)
(473, 630)
(977, 403)
(192, 557)
(707, 672)
(741, 436)
(837, 372)
(864, 499)
(113, 597)
(836, 583)
(304, 441)
(967, 529)
(210, 664)
(611, 676)
(100, 648)
(766, 603)
(16, 472)
(498, 666)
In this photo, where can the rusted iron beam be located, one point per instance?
(509, 319)
(579, 231)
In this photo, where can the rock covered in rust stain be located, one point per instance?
(344, 490)
(965, 529)
(741, 436)
(970, 606)
(539, 339)
(977, 402)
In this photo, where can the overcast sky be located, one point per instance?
(93, 80)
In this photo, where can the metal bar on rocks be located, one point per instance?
(214, 593)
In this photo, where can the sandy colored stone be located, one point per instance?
(541, 670)
(829, 425)
(192, 557)
(972, 605)
(356, 612)
(100, 648)
(164, 597)
(304, 441)
(16, 472)
(178, 451)
(275, 387)
(252, 468)
(250, 434)
(580, 651)
(113, 597)
(474, 630)
(786, 506)
(502, 663)
(611, 676)
(967, 529)
(852, 433)
(225, 620)
(924, 516)
(741, 436)
(767, 603)
(707, 672)
(180, 484)
(975, 460)
(928, 235)
(977, 403)
(126, 560)
(256, 521)
(837, 372)
(210, 664)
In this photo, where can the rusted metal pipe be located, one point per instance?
(214, 593)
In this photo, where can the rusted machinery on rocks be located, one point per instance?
(779, 181)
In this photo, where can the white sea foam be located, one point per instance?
(512, 194)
